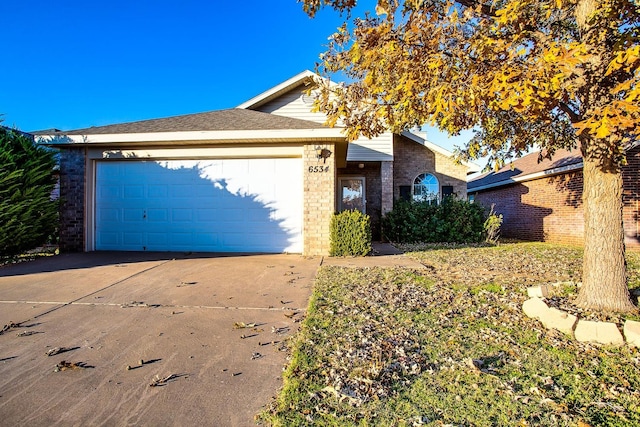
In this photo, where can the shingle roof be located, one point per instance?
(524, 166)
(221, 120)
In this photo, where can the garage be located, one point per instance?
(203, 205)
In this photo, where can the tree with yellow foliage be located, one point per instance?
(522, 73)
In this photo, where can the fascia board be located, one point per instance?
(213, 136)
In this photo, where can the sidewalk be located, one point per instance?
(383, 255)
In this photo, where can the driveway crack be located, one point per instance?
(99, 290)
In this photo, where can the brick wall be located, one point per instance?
(319, 200)
(386, 179)
(373, 190)
(411, 159)
(72, 188)
(550, 209)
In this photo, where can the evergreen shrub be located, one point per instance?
(451, 221)
(350, 234)
(28, 216)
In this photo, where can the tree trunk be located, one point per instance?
(604, 277)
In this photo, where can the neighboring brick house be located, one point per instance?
(542, 201)
(266, 176)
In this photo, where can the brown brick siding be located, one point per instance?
(547, 209)
(550, 209)
(319, 200)
(386, 179)
(411, 159)
(72, 197)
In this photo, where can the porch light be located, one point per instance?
(323, 153)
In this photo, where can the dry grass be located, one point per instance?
(449, 345)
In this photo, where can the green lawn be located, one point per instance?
(449, 345)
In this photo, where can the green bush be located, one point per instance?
(28, 216)
(453, 220)
(350, 234)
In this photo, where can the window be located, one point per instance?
(352, 194)
(426, 188)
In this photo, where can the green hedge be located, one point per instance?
(350, 234)
(453, 220)
(28, 216)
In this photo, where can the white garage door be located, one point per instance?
(229, 205)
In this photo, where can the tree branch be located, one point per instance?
(484, 8)
(575, 117)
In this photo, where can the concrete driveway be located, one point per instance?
(176, 313)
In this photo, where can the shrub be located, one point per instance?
(28, 216)
(492, 226)
(350, 234)
(453, 220)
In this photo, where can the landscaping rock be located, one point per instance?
(560, 320)
(538, 291)
(632, 333)
(598, 332)
(535, 308)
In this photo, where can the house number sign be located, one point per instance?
(318, 169)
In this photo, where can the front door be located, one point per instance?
(352, 195)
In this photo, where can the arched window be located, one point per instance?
(426, 188)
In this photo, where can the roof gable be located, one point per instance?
(276, 91)
(472, 167)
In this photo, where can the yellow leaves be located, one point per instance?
(567, 56)
(616, 118)
(380, 10)
(625, 59)
(356, 53)
(453, 16)
(458, 64)
(552, 55)
(508, 12)
(603, 129)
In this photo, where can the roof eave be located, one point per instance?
(528, 177)
(187, 137)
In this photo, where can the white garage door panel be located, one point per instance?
(230, 205)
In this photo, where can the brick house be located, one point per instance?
(542, 201)
(266, 176)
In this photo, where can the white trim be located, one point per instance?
(248, 136)
(277, 90)
(90, 204)
(528, 177)
(433, 174)
(240, 152)
(433, 147)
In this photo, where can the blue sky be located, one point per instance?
(71, 64)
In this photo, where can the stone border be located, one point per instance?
(581, 330)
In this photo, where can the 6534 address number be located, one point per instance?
(318, 169)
